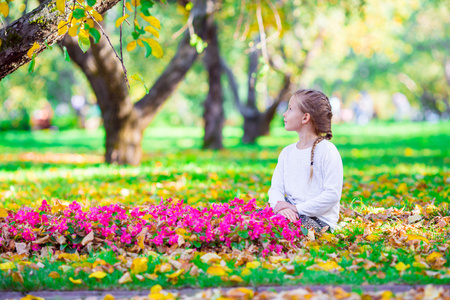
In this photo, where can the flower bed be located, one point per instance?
(164, 227)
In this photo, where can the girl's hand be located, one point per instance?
(283, 205)
(289, 213)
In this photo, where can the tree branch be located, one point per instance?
(36, 26)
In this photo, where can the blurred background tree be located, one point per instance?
(371, 52)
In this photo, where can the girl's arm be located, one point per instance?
(332, 171)
(276, 191)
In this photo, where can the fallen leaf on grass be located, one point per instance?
(98, 275)
(216, 270)
(75, 281)
(253, 264)
(54, 275)
(175, 274)
(139, 265)
(401, 266)
(125, 278)
(7, 266)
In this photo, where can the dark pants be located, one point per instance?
(309, 222)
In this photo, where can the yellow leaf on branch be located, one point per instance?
(4, 9)
(128, 5)
(32, 49)
(61, 6)
(152, 20)
(152, 31)
(131, 45)
(62, 27)
(98, 17)
(121, 19)
(156, 48)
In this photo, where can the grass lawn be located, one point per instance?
(394, 223)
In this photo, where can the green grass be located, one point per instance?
(385, 165)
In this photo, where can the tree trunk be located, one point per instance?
(124, 122)
(37, 26)
(214, 113)
(252, 120)
(123, 140)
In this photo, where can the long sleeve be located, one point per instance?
(277, 190)
(332, 178)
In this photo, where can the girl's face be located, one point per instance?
(293, 117)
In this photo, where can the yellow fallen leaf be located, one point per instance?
(139, 265)
(253, 264)
(156, 289)
(420, 264)
(412, 237)
(165, 267)
(246, 272)
(401, 266)
(240, 293)
(109, 297)
(210, 257)
(216, 270)
(151, 276)
(7, 266)
(373, 238)
(402, 188)
(3, 213)
(54, 275)
(126, 277)
(75, 281)
(140, 240)
(98, 275)
(32, 49)
(157, 297)
(176, 274)
(431, 209)
(236, 278)
(433, 256)
(17, 277)
(386, 295)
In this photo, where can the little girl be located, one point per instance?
(307, 181)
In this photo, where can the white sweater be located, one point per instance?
(320, 198)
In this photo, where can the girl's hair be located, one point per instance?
(317, 105)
